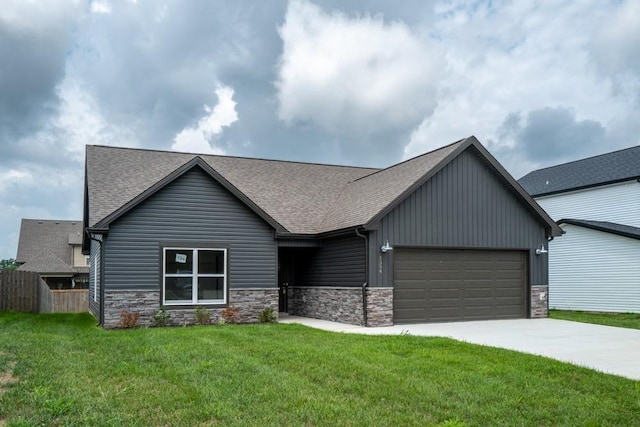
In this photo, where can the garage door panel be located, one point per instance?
(451, 285)
(508, 292)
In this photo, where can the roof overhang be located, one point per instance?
(604, 229)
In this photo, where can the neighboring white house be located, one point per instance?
(595, 265)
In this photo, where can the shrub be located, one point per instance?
(128, 319)
(160, 317)
(267, 315)
(230, 315)
(203, 316)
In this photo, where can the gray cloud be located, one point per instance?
(33, 47)
(546, 137)
(141, 72)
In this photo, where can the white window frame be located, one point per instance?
(95, 276)
(194, 275)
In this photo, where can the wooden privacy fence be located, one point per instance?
(25, 291)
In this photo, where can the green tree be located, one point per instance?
(8, 264)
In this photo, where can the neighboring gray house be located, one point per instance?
(595, 266)
(445, 236)
(53, 248)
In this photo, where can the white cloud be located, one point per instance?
(354, 75)
(616, 45)
(198, 139)
(78, 121)
(101, 7)
(33, 16)
(518, 58)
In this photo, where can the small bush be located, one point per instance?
(230, 315)
(203, 316)
(128, 319)
(267, 315)
(160, 317)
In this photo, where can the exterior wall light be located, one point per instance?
(386, 247)
(541, 250)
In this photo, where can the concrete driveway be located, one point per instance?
(603, 348)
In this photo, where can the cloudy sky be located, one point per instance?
(338, 81)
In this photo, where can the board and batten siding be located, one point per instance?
(464, 205)
(592, 270)
(619, 203)
(193, 208)
(340, 261)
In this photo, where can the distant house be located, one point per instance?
(595, 266)
(53, 248)
(445, 236)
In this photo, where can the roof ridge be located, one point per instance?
(232, 157)
(583, 159)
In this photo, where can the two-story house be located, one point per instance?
(53, 248)
(595, 266)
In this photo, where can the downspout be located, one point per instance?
(366, 274)
(101, 319)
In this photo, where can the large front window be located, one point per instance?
(194, 276)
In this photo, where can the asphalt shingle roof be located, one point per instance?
(590, 172)
(294, 194)
(303, 198)
(43, 245)
(363, 198)
(609, 227)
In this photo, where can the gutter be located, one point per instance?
(366, 273)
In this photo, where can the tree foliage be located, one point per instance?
(8, 264)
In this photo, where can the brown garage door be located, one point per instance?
(450, 285)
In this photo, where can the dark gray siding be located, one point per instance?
(193, 208)
(464, 205)
(339, 262)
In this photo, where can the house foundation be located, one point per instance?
(251, 302)
(342, 304)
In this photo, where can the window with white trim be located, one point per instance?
(96, 275)
(194, 276)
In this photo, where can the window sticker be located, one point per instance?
(181, 258)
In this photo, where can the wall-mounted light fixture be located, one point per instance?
(541, 250)
(386, 247)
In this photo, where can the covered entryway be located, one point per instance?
(444, 285)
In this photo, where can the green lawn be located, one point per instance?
(63, 370)
(622, 320)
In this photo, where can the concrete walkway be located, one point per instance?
(603, 348)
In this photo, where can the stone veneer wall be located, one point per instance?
(250, 302)
(539, 301)
(379, 306)
(337, 304)
(342, 304)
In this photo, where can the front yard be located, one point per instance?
(63, 370)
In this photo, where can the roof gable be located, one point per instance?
(618, 166)
(45, 245)
(292, 194)
(196, 162)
